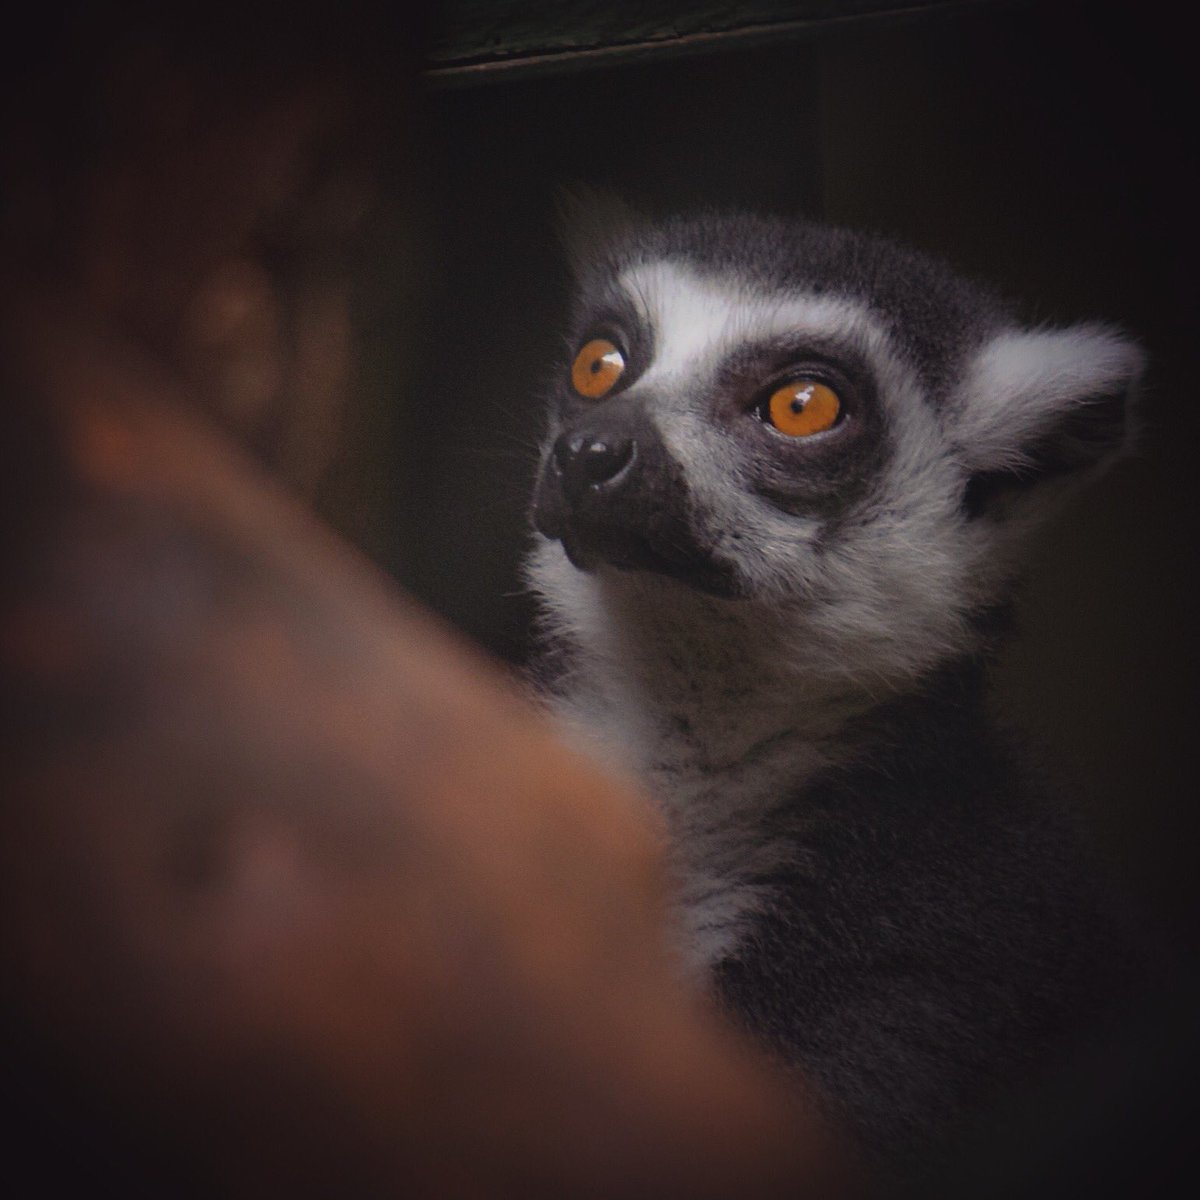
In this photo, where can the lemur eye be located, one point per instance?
(802, 408)
(596, 368)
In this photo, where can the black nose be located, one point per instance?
(590, 459)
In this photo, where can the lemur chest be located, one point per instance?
(734, 826)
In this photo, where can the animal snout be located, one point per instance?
(592, 459)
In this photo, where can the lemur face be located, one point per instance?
(706, 426)
(775, 411)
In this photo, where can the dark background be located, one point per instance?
(1045, 147)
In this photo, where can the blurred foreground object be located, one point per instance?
(300, 898)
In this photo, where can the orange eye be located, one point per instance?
(803, 407)
(596, 368)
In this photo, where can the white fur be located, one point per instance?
(728, 707)
(1023, 379)
(653, 654)
(698, 319)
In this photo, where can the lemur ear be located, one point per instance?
(590, 221)
(1042, 404)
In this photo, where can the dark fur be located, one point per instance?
(942, 937)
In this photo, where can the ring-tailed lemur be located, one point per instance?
(789, 476)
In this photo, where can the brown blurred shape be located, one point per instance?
(301, 897)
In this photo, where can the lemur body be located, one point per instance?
(788, 480)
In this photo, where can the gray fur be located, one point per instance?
(786, 640)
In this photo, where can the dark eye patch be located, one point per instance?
(826, 476)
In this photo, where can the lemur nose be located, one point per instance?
(590, 459)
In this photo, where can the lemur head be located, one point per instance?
(825, 431)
